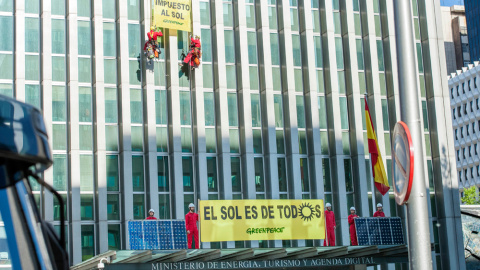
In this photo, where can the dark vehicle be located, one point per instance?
(26, 241)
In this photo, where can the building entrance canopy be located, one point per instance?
(250, 258)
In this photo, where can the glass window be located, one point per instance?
(253, 74)
(112, 173)
(209, 108)
(133, 10)
(420, 59)
(83, 8)
(386, 126)
(161, 107)
(185, 117)
(278, 107)
(6, 66)
(87, 236)
(84, 38)
(58, 36)
(59, 108)
(159, 70)
(324, 142)
(343, 112)
(282, 175)
(135, 74)
(360, 54)
(56, 207)
(164, 206)
(348, 175)
(326, 175)
(114, 234)
(6, 5)
(84, 70)
(256, 120)
(32, 67)
(212, 174)
(162, 174)
(227, 15)
(187, 167)
(425, 117)
(322, 112)
(206, 45)
(113, 207)
(6, 89)
(272, 18)
(111, 112)
(229, 47)
(302, 142)
(110, 71)
(252, 47)
(85, 104)
(207, 75)
(137, 173)
(250, 14)
(186, 140)
(137, 138)
(134, 40)
(300, 112)
(32, 6)
(32, 35)
(298, 80)
(231, 77)
(381, 65)
(32, 95)
(346, 143)
(294, 19)
(232, 109)
(210, 137)
(259, 180)
(257, 141)
(111, 138)
(204, 14)
(275, 49)
(339, 52)
(6, 28)
(86, 173)
(297, 56)
(318, 51)
(162, 139)
(138, 206)
(358, 24)
(277, 79)
(236, 176)
(280, 142)
(59, 133)
(234, 141)
(58, 68)
(304, 175)
(108, 9)
(316, 21)
(136, 110)
(60, 175)
(86, 206)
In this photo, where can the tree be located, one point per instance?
(470, 196)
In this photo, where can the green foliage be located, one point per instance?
(470, 196)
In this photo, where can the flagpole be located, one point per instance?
(418, 229)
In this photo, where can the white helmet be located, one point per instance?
(352, 208)
(191, 205)
(328, 205)
(379, 205)
(151, 210)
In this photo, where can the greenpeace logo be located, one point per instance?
(174, 22)
(265, 230)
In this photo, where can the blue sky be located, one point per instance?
(451, 2)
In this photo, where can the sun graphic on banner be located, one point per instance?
(306, 211)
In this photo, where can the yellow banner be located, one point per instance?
(240, 220)
(173, 14)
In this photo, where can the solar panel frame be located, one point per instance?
(379, 231)
(157, 234)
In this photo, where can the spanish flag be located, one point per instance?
(379, 175)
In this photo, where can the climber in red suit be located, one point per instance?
(191, 219)
(193, 57)
(151, 214)
(152, 38)
(379, 212)
(351, 221)
(329, 226)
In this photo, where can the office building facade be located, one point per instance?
(275, 110)
(472, 11)
(465, 107)
(455, 33)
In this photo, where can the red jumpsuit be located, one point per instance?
(151, 217)
(353, 232)
(152, 38)
(379, 214)
(191, 225)
(329, 228)
(194, 52)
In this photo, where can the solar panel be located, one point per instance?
(157, 234)
(379, 231)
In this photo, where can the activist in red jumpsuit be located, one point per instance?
(193, 57)
(329, 226)
(191, 219)
(152, 38)
(351, 221)
(151, 214)
(379, 212)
